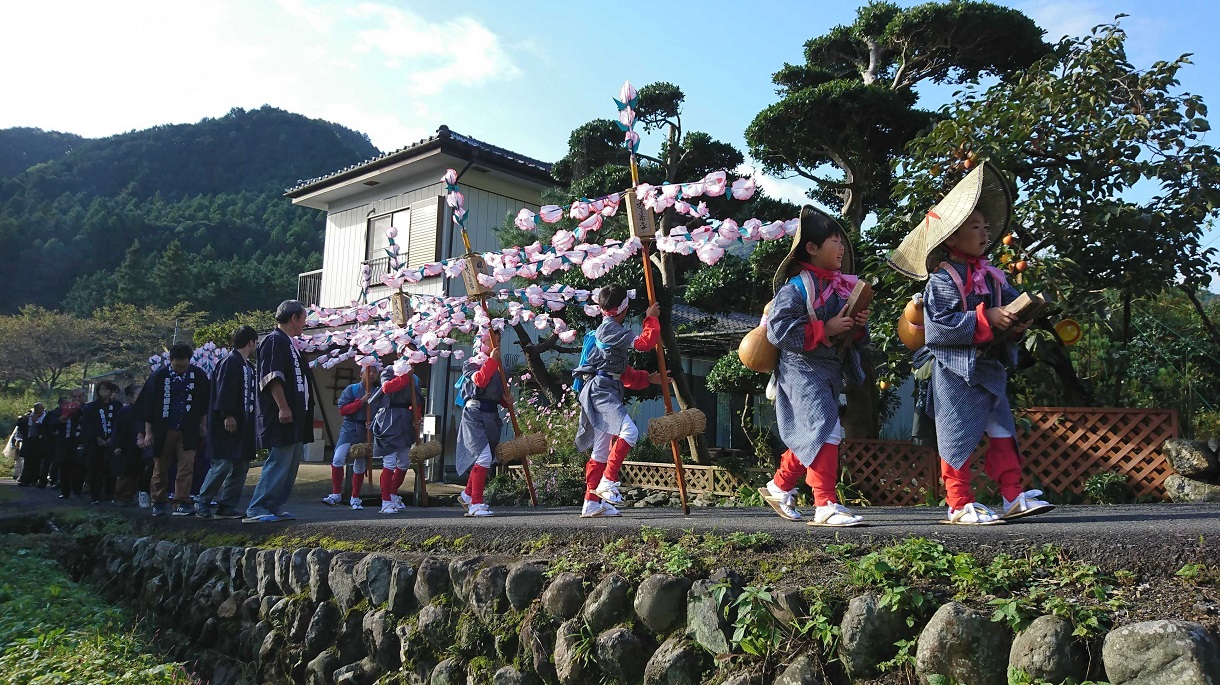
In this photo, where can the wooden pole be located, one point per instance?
(669, 406)
(421, 478)
(368, 422)
(508, 396)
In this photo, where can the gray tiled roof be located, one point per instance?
(443, 138)
(732, 322)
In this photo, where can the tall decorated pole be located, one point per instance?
(476, 290)
(643, 226)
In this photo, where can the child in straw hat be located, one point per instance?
(482, 392)
(605, 426)
(810, 308)
(962, 311)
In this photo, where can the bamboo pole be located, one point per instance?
(669, 406)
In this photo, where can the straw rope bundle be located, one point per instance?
(677, 426)
(360, 451)
(423, 451)
(511, 451)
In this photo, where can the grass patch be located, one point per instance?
(53, 630)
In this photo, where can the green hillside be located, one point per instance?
(182, 213)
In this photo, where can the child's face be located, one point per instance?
(829, 255)
(972, 237)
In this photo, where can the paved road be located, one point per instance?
(1129, 530)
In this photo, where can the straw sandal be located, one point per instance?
(780, 504)
(973, 514)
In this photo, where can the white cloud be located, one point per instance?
(456, 51)
(117, 67)
(319, 19)
(1067, 17)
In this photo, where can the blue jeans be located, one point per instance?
(276, 480)
(224, 482)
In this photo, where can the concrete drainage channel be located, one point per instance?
(310, 615)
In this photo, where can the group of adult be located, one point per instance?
(143, 450)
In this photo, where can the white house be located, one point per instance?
(403, 189)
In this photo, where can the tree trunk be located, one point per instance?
(862, 419)
(548, 384)
(1207, 322)
(1121, 371)
(1058, 357)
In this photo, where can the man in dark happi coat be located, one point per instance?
(283, 416)
(231, 428)
(174, 404)
(34, 434)
(128, 448)
(99, 417)
(69, 449)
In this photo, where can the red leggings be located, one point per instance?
(1002, 464)
(822, 475)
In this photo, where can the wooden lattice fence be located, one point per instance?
(1062, 447)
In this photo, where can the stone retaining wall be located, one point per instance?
(314, 616)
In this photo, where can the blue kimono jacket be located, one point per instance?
(233, 393)
(807, 399)
(967, 388)
(481, 423)
(394, 417)
(601, 396)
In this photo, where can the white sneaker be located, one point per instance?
(332, 499)
(597, 510)
(835, 515)
(464, 500)
(356, 503)
(388, 507)
(973, 514)
(1026, 504)
(397, 500)
(479, 510)
(145, 500)
(608, 491)
(783, 502)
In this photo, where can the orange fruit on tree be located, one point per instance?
(1022, 265)
(884, 385)
(1008, 239)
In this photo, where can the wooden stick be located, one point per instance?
(368, 421)
(508, 396)
(421, 478)
(669, 406)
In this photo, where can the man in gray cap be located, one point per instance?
(284, 419)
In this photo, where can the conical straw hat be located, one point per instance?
(983, 189)
(811, 216)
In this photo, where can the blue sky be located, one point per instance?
(520, 75)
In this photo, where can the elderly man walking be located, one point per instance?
(284, 420)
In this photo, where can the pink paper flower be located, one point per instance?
(455, 199)
(743, 189)
(450, 177)
(391, 233)
(550, 213)
(627, 93)
(714, 183)
(524, 220)
(579, 210)
(563, 240)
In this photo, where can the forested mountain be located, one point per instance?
(22, 148)
(182, 213)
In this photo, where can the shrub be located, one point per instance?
(1107, 487)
